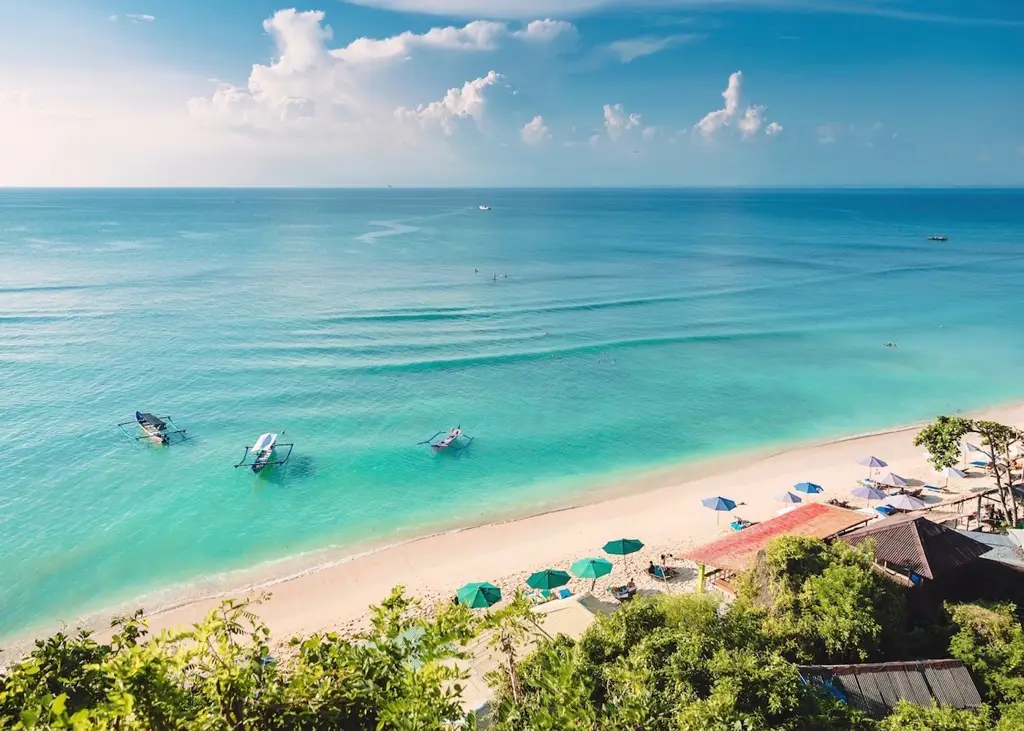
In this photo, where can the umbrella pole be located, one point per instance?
(592, 585)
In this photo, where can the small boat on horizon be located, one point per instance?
(154, 428)
(938, 237)
(264, 453)
(485, 208)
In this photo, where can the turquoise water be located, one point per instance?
(634, 329)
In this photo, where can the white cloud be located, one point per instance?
(478, 35)
(751, 121)
(617, 122)
(309, 80)
(140, 17)
(535, 132)
(630, 49)
(773, 129)
(468, 102)
(545, 31)
(713, 121)
(112, 18)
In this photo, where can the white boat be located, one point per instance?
(485, 208)
(263, 454)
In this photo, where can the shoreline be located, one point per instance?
(317, 573)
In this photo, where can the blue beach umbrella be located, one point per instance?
(788, 498)
(808, 487)
(718, 504)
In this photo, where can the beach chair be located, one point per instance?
(562, 592)
(740, 524)
(884, 510)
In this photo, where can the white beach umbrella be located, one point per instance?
(950, 472)
(892, 480)
(905, 502)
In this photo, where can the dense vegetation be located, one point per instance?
(672, 663)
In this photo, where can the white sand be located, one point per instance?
(666, 518)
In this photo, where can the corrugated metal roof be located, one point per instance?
(1005, 549)
(915, 543)
(736, 552)
(876, 688)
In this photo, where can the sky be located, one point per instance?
(613, 93)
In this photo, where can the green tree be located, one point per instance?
(944, 439)
(823, 602)
(990, 641)
(220, 675)
(510, 626)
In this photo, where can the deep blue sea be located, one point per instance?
(626, 330)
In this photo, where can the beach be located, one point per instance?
(651, 341)
(667, 519)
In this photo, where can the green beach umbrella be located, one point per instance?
(623, 546)
(548, 579)
(591, 568)
(479, 595)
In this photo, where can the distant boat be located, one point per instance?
(938, 237)
(485, 208)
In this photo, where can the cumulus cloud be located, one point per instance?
(479, 35)
(617, 123)
(468, 102)
(309, 80)
(748, 123)
(140, 17)
(535, 132)
(773, 129)
(630, 49)
(713, 121)
(751, 121)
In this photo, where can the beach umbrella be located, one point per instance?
(809, 487)
(872, 463)
(788, 498)
(548, 579)
(591, 568)
(479, 594)
(905, 502)
(892, 480)
(950, 472)
(718, 504)
(623, 546)
(868, 493)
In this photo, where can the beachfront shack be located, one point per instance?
(722, 559)
(936, 563)
(876, 688)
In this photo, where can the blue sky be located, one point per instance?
(512, 92)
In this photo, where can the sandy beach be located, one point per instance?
(667, 518)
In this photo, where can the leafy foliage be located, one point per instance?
(943, 440)
(908, 717)
(990, 641)
(824, 602)
(667, 663)
(220, 675)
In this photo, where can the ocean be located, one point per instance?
(579, 336)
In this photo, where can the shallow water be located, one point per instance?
(634, 329)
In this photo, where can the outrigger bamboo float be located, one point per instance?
(448, 441)
(264, 453)
(154, 428)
